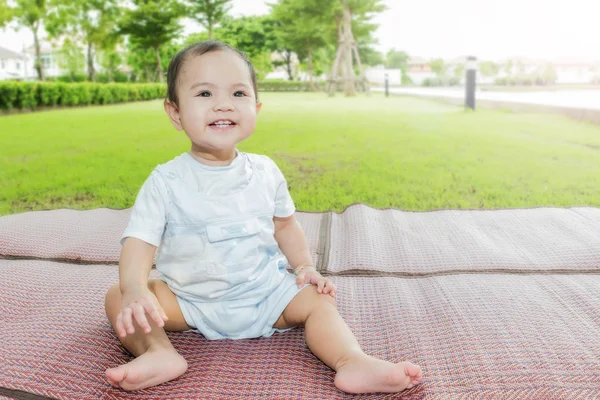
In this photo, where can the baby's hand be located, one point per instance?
(309, 274)
(134, 306)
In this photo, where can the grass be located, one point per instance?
(398, 152)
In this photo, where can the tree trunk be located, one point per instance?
(288, 65)
(210, 31)
(333, 74)
(311, 71)
(158, 66)
(39, 66)
(349, 77)
(90, 60)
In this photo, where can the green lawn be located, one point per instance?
(386, 152)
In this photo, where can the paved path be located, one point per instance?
(588, 99)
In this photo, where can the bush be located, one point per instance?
(280, 85)
(30, 95)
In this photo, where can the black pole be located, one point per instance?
(470, 82)
(387, 86)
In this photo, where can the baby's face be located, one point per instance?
(217, 104)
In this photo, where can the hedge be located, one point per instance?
(280, 85)
(31, 95)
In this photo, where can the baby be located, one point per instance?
(223, 222)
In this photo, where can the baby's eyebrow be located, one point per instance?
(195, 85)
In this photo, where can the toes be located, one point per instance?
(116, 375)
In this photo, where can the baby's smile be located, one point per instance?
(222, 125)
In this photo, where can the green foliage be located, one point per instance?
(543, 76)
(281, 85)
(209, 13)
(71, 58)
(396, 59)
(438, 67)
(489, 68)
(92, 20)
(441, 81)
(6, 13)
(30, 95)
(152, 25)
(253, 35)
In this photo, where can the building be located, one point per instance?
(14, 65)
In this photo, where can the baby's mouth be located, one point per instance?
(222, 124)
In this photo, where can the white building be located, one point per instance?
(14, 65)
(378, 74)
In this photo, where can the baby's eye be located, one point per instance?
(239, 93)
(204, 94)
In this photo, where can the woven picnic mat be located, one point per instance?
(475, 336)
(366, 240)
(359, 240)
(87, 236)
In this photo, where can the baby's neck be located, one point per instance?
(214, 159)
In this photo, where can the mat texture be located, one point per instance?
(492, 304)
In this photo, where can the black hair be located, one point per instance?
(194, 50)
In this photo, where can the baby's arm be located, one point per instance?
(138, 300)
(292, 242)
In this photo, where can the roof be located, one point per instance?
(11, 55)
(417, 60)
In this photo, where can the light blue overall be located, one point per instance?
(218, 254)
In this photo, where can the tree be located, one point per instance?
(143, 60)
(254, 36)
(489, 68)
(93, 20)
(71, 58)
(209, 13)
(349, 15)
(396, 59)
(438, 67)
(110, 60)
(6, 13)
(152, 24)
(302, 28)
(32, 14)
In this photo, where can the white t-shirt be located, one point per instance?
(214, 228)
(149, 214)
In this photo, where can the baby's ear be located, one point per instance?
(258, 106)
(173, 113)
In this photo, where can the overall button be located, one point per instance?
(171, 175)
(260, 167)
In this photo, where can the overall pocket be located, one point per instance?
(231, 246)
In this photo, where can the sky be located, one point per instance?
(487, 29)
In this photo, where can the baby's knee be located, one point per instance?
(112, 300)
(321, 300)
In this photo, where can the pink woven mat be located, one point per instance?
(86, 236)
(451, 241)
(476, 336)
(360, 239)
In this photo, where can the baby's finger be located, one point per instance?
(329, 286)
(140, 316)
(153, 312)
(320, 285)
(127, 322)
(300, 279)
(119, 327)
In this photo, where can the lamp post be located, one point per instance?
(470, 82)
(387, 85)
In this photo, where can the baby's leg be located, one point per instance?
(330, 339)
(157, 360)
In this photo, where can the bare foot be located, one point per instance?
(155, 366)
(364, 374)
